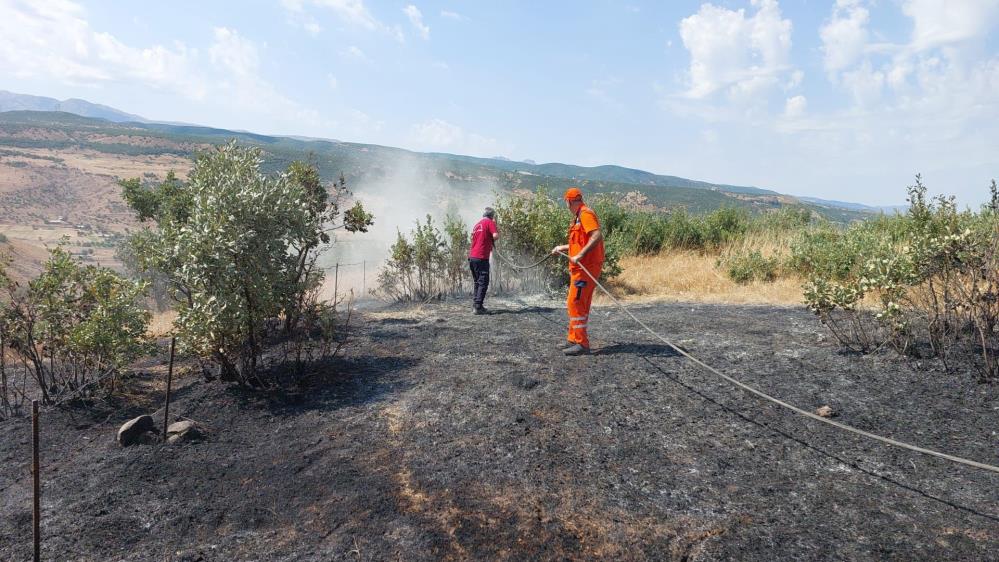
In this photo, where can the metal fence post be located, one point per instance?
(336, 283)
(36, 515)
(166, 408)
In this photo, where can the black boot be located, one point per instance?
(576, 349)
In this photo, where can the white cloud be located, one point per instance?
(600, 90)
(865, 84)
(313, 27)
(297, 17)
(941, 57)
(844, 36)
(452, 15)
(731, 53)
(237, 54)
(351, 12)
(360, 123)
(416, 19)
(355, 53)
(237, 80)
(397, 34)
(795, 107)
(52, 38)
(441, 136)
(938, 22)
(794, 81)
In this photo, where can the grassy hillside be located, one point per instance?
(361, 163)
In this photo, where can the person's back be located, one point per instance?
(482, 239)
(484, 234)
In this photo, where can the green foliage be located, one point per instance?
(782, 221)
(457, 243)
(725, 225)
(429, 263)
(530, 226)
(238, 250)
(925, 282)
(167, 202)
(746, 267)
(3, 238)
(74, 325)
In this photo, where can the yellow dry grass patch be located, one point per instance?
(161, 324)
(108, 164)
(692, 276)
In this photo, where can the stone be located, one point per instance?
(184, 430)
(135, 431)
(825, 412)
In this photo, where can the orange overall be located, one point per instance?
(581, 286)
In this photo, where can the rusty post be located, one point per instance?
(364, 277)
(166, 408)
(336, 283)
(36, 515)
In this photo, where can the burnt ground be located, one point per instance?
(445, 435)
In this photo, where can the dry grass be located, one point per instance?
(694, 277)
(766, 243)
(161, 324)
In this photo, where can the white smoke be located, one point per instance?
(408, 189)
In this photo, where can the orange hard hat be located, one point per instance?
(573, 194)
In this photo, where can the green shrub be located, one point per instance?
(725, 225)
(74, 326)
(427, 264)
(238, 251)
(746, 267)
(530, 226)
(932, 276)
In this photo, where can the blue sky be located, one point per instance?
(843, 99)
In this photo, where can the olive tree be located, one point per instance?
(72, 326)
(239, 249)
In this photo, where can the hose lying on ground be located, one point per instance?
(765, 396)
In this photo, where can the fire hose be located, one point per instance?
(759, 393)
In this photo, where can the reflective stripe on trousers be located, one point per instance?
(578, 300)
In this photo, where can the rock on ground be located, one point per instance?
(136, 431)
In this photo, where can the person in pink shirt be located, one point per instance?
(484, 234)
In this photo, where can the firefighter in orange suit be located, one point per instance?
(586, 249)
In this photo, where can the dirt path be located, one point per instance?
(446, 435)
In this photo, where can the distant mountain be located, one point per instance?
(889, 209)
(9, 101)
(85, 123)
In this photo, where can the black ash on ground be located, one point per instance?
(446, 435)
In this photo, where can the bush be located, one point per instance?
(531, 225)
(725, 225)
(928, 279)
(3, 238)
(746, 267)
(73, 327)
(238, 250)
(429, 263)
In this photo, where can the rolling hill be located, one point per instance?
(59, 173)
(9, 101)
(364, 163)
